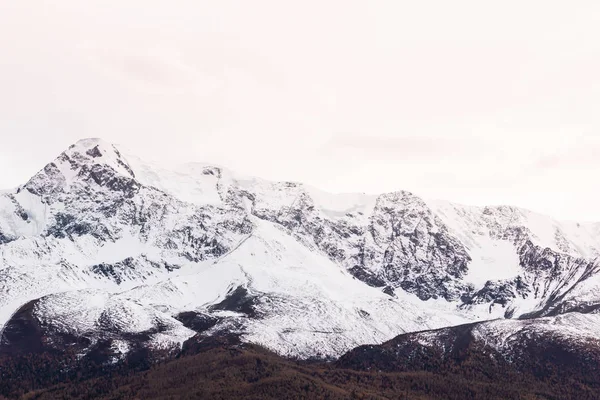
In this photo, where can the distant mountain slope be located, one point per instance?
(103, 247)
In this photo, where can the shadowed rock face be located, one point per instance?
(4, 239)
(240, 301)
(197, 321)
(403, 244)
(499, 292)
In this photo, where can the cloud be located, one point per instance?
(581, 155)
(152, 69)
(423, 148)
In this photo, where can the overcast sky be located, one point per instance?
(476, 101)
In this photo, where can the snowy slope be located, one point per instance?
(109, 246)
(302, 304)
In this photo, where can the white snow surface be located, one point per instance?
(493, 259)
(138, 265)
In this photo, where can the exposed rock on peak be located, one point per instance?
(86, 162)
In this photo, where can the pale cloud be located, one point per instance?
(580, 155)
(412, 148)
(149, 70)
(472, 101)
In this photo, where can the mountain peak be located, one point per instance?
(88, 158)
(88, 143)
(96, 151)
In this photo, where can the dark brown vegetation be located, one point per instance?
(222, 368)
(554, 367)
(36, 363)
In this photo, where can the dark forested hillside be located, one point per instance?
(223, 368)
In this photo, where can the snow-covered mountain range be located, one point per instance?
(106, 248)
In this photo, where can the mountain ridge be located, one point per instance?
(302, 272)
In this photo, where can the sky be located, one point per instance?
(472, 101)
